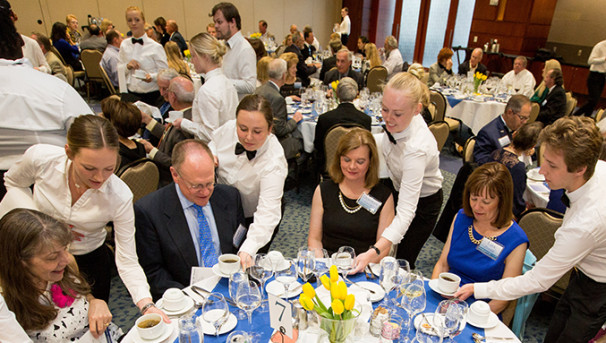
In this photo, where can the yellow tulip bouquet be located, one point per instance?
(339, 319)
(187, 55)
(256, 35)
(334, 86)
(478, 78)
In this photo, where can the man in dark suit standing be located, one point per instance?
(498, 133)
(474, 64)
(173, 30)
(303, 70)
(554, 105)
(345, 114)
(344, 58)
(188, 223)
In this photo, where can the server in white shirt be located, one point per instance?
(520, 79)
(345, 27)
(596, 78)
(140, 59)
(240, 61)
(572, 146)
(77, 185)
(252, 160)
(412, 159)
(217, 99)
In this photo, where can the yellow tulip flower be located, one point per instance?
(309, 290)
(306, 302)
(325, 281)
(334, 290)
(341, 290)
(334, 273)
(337, 306)
(350, 300)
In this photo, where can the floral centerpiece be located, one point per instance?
(256, 35)
(333, 86)
(478, 78)
(339, 319)
(187, 55)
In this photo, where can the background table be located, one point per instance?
(537, 192)
(475, 114)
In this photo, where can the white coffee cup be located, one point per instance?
(174, 115)
(173, 299)
(479, 312)
(229, 263)
(150, 326)
(448, 282)
(140, 73)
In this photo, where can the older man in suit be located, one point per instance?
(175, 36)
(188, 223)
(303, 70)
(344, 58)
(474, 64)
(554, 105)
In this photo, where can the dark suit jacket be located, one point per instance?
(327, 65)
(308, 51)
(164, 244)
(303, 70)
(333, 75)
(487, 140)
(553, 107)
(345, 114)
(178, 38)
(464, 68)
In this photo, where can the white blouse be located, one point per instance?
(151, 58)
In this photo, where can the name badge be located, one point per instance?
(504, 141)
(490, 248)
(369, 203)
(544, 102)
(298, 85)
(239, 236)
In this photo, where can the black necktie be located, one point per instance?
(389, 135)
(565, 200)
(240, 149)
(137, 40)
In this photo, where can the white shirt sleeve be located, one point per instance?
(10, 330)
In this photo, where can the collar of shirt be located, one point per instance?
(552, 87)
(260, 151)
(234, 39)
(23, 62)
(209, 75)
(406, 132)
(579, 192)
(504, 123)
(112, 47)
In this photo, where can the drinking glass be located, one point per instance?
(413, 302)
(426, 336)
(403, 276)
(448, 317)
(344, 259)
(215, 311)
(306, 261)
(190, 330)
(234, 282)
(322, 265)
(387, 277)
(286, 277)
(248, 298)
(262, 271)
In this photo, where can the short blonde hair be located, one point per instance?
(69, 18)
(137, 9)
(205, 44)
(354, 139)
(290, 58)
(263, 69)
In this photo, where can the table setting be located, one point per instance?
(537, 191)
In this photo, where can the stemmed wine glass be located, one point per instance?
(343, 259)
(388, 276)
(261, 270)
(403, 276)
(235, 280)
(322, 265)
(413, 302)
(286, 277)
(248, 298)
(215, 311)
(448, 317)
(306, 261)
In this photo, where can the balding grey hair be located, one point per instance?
(183, 89)
(296, 37)
(516, 103)
(523, 59)
(167, 74)
(276, 68)
(349, 54)
(347, 90)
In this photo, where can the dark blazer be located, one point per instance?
(333, 75)
(553, 107)
(345, 114)
(164, 244)
(303, 70)
(308, 51)
(327, 65)
(487, 140)
(178, 38)
(464, 68)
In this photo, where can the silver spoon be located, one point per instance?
(479, 338)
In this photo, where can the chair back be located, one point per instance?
(571, 103)
(376, 79)
(599, 115)
(468, 149)
(91, 59)
(141, 176)
(56, 52)
(108, 82)
(534, 112)
(332, 140)
(432, 110)
(70, 74)
(440, 130)
(439, 101)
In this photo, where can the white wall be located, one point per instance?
(578, 22)
(191, 15)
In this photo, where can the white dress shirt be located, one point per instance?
(34, 108)
(109, 62)
(345, 27)
(151, 58)
(32, 51)
(10, 330)
(580, 242)
(47, 167)
(260, 182)
(240, 65)
(393, 63)
(214, 105)
(524, 81)
(597, 58)
(413, 166)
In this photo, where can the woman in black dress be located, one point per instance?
(126, 118)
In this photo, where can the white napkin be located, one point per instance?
(208, 283)
(148, 109)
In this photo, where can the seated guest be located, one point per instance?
(160, 25)
(303, 70)
(210, 29)
(163, 80)
(474, 64)
(331, 62)
(262, 66)
(308, 48)
(41, 282)
(106, 26)
(524, 140)
(498, 133)
(96, 40)
(553, 105)
(541, 91)
(259, 48)
(126, 118)
(217, 99)
(486, 216)
(70, 53)
(191, 221)
(292, 83)
(344, 58)
(372, 58)
(151, 32)
(111, 56)
(393, 58)
(442, 69)
(56, 66)
(346, 114)
(336, 217)
(285, 43)
(285, 129)
(74, 34)
(362, 41)
(257, 169)
(175, 60)
(175, 36)
(520, 79)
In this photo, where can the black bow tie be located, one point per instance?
(565, 200)
(389, 135)
(137, 40)
(240, 149)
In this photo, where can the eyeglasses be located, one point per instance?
(198, 187)
(522, 118)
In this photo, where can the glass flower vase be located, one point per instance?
(338, 329)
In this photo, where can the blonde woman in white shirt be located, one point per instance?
(252, 160)
(217, 99)
(77, 185)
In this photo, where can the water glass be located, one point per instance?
(190, 330)
(286, 277)
(344, 259)
(262, 271)
(248, 298)
(234, 282)
(215, 311)
(306, 261)
(448, 318)
(413, 302)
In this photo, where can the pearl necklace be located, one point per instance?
(474, 240)
(350, 210)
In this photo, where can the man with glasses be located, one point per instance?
(188, 223)
(498, 133)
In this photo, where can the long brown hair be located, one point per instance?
(352, 140)
(23, 234)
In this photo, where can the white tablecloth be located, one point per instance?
(537, 192)
(475, 114)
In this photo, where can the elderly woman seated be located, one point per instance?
(487, 219)
(442, 68)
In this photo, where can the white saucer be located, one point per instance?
(366, 285)
(433, 284)
(375, 268)
(493, 320)
(429, 317)
(189, 304)
(534, 175)
(276, 288)
(229, 325)
(168, 330)
(218, 272)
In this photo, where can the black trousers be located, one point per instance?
(580, 313)
(344, 39)
(595, 86)
(96, 267)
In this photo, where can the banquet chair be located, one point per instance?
(440, 131)
(468, 149)
(571, 103)
(534, 112)
(439, 100)
(599, 115)
(376, 79)
(141, 176)
(91, 59)
(331, 140)
(71, 74)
